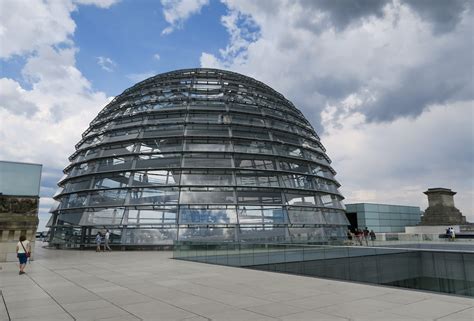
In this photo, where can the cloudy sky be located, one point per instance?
(388, 84)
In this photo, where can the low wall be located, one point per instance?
(430, 229)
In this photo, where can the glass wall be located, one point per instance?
(200, 154)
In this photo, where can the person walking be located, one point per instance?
(366, 236)
(106, 241)
(372, 237)
(98, 241)
(23, 252)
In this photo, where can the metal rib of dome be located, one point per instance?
(198, 154)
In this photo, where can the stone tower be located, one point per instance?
(441, 209)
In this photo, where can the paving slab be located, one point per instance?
(84, 285)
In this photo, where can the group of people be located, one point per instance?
(99, 239)
(361, 236)
(450, 234)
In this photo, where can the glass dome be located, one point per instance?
(198, 154)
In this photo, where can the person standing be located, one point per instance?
(366, 236)
(453, 234)
(23, 251)
(372, 237)
(98, 241)
(349, 237)
(359, 234)
(106, 241)
(448, 234)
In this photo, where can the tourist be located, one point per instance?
(448, 234)
(366, 236)
(23, 251)
(106, 241)
(372, 237)
(98, 241)
(453, 235)
(349, 237)
(358, 234)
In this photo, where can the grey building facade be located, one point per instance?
(382, 218)
(199, 154)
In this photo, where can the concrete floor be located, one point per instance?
(84, 285)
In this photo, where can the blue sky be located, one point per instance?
(387, 84)
(130, 35)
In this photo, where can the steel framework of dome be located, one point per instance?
(199, 154)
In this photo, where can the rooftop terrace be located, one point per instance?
(85, 285)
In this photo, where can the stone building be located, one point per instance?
(19, 199)
(441, 209)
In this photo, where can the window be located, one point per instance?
(207, 130)
(161, 145)
(294, 165)
(287, 150)
(286, 138)
(248, 120)
(112, 180)
(261, 214)
(78, 184)
(207, 145)
(163, 131)
(256, 147)
(207, 215)
(254, 162)
(73, 200)
(209, 118)
(253, 178)
(155, 196)
(206, 177)
(258, 196)
(305, 215)
(114, 163)
(155, 177)
(210, 160)
(152, 215)
(108, 197)
(297, 181)
(294, 198)
(207, 195)
(251, 133)
(118, 149)
(158, 161)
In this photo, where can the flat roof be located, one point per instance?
(149, 285)
(381, 204)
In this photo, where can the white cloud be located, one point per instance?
(395, 162)
(64, 103)
(43, 121)
(156, 56)
(388, 93)
(27, 25)
(14, 99)
(176, 12)
(98, 3)
(106, 63)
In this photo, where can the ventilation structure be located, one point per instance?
(198, 154)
